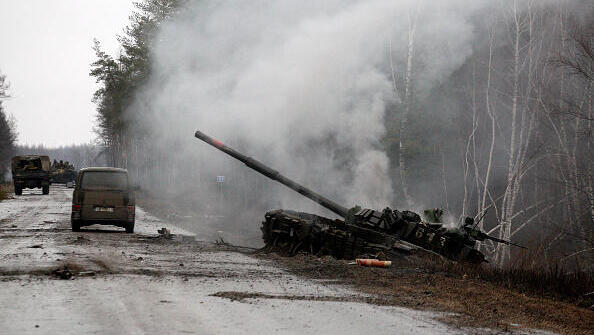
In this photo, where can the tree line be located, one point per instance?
(519, 124)
(517, 116)
(8, 133)
(78, 155)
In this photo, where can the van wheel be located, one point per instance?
(18, 190)
(46, 189)
(75, 225)
(130, 228)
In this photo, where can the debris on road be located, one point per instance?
(63, 273)
(222, 243)
(86, 274)
(373, 262)
(36, 246)
(164, 232)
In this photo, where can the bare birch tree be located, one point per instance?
(407, 102)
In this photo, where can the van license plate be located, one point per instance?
(103, 209)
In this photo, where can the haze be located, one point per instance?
(45, 54)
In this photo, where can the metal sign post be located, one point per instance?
(220, 181)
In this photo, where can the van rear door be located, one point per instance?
(105, 195)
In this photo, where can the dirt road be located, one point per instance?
(104, 281)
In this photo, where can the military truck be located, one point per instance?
(30, 171)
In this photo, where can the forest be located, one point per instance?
(8, 133)
(79, 155)
(498, 127)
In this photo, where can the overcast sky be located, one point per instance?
(45, 52)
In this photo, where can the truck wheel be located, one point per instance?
(46, 189)
(18, 190)
(75, 225)
(130, 228)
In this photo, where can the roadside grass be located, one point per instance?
(531, 290)
(573, 284)
(6, 189)
(519, 296)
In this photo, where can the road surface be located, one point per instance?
(104, 281)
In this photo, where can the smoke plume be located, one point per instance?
(302, 86)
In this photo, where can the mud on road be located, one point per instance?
(102, 280)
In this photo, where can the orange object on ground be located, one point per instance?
(373, 262)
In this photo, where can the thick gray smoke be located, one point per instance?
(300, 85)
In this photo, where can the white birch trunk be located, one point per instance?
(406, 110)
(505, 227)
(491, 114)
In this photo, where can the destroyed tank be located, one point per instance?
(362, 231)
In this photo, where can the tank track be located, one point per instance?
(290, 232)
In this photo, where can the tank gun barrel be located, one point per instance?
(274, 175)
(481, 236)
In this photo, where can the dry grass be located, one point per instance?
(6, 191)
(529, 272)
(572, 284)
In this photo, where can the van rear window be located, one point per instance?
(99, 180)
